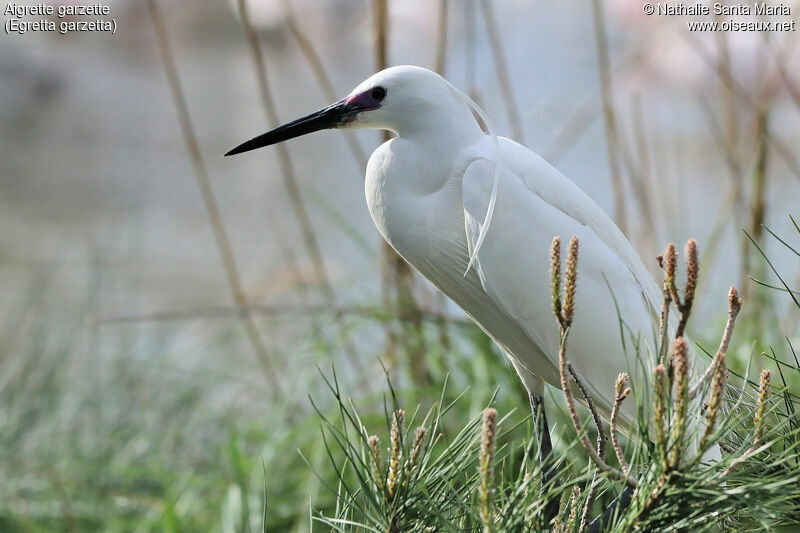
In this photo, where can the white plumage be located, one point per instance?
(443, 193)
(428, 192)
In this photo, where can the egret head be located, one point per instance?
(394, 99)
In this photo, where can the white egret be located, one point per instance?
(476, 214)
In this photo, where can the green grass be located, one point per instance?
(108, 427)
(455, 484)
(123, 428)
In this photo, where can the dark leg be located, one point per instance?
(542, 429)
(548, 471)
(622, 501)
(545, 451)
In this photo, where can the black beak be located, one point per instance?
(332, 116)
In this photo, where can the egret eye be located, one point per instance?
(378, 93)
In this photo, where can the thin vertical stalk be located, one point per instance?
(441, 57)
(640, 176)
(380, 23)
(324, 80)
(728, 207)
(781, 147)
(207, 193)
(758, 207)
(469, 50)
(441, 42)
(501, 68)
(574, 127)
(780, 62)
(610, 123)
(730, 139)
(289, 178)
(731, 129)
(471, 58)
(394, 270)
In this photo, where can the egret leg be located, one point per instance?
(542, 428)
(622, 501)
(545, 450)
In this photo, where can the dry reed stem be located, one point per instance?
(501, 69)
(572, 130)
(644, 186)
(622, 391)
(584, 116)
(222, 311)
(780, 62)
(469, 49)
(206, 191)
(380, 15)
(781, 148)
(445, 342)
(289, 178)
(286, 250)
(609, 114)
(439, 65)
(731, 203)
(323, 79)
(441, 40)
(729, 133)
(731, 129)
(395, 272)
(758, 205)
(635, 180)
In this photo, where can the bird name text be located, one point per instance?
(65, 18)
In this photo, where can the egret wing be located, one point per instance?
(616, 302)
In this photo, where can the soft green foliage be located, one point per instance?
(135, 442)
(754, 486)
(109, 427)
(446, 488)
